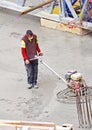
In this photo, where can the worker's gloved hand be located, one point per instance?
(40, 54)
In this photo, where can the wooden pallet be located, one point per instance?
(63, 27)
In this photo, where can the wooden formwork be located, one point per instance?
(63, 27)
(26, 125)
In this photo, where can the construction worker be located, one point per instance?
(30, 49)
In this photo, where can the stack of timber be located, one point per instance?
(26, 125)
(64, 26)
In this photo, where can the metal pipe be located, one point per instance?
(53, 71)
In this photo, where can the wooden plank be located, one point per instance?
(35, 7)
(20, 127)
(63, 27)
(27, 123)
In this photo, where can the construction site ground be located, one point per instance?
(63, 52)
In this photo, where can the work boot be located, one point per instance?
(36, 86)
(30, 86)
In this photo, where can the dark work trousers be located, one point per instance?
(32, 72)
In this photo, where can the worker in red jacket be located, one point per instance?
(30, 49)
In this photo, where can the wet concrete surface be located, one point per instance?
(63, 51)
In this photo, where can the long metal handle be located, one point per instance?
(53, 71)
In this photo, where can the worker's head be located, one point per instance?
(29, 33)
